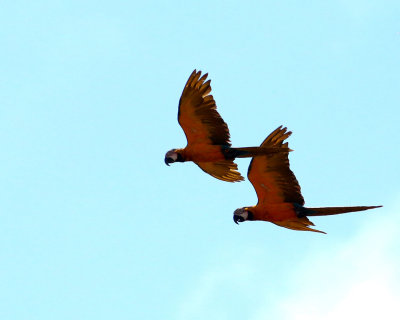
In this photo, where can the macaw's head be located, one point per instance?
(172, 156)
(242, 214)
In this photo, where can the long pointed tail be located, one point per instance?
(272, 144)
(248, 152)
(335, 210)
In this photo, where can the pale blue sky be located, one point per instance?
(93, 225)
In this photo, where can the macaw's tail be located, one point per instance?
(272, 144)
(335, 210)
(249, 152)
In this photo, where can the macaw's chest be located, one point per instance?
(203, 153)
(274, 212)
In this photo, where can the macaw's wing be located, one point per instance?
(197, 113)
(301, 224)
(223, 170)
(271, 176)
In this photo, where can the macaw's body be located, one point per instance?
(208, 139)
(278, 191)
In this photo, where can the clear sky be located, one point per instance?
(93, 225)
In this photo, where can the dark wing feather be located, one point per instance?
(197, 113)
(271, 176)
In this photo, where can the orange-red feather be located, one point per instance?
(271, 176)
(198, 114)
(276, 186)
(205, 130)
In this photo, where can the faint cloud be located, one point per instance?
(351, 279)
(357, 279)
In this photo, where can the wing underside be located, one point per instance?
(222, 170)
(300, 224)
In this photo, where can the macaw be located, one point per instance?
(278, 191)
(208, 139)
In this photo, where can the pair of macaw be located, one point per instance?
(208, 145)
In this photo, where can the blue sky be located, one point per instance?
(93, 225)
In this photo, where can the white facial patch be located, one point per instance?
(241, 212)
(172, 154)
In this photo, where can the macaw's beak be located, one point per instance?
(168, 160)
(237, 219)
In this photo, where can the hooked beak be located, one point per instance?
(237, 219)
(168, 161)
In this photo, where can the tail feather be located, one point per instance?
(249, 152)
(271, 145)
(335, 210)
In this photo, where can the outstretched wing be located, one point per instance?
(300, 224)
(271, 176)
(222, 170)
(197, 113)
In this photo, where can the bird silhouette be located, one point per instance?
(278, 191)
(208, 139)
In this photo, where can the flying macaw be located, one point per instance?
(278, 191)
(208, 139)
